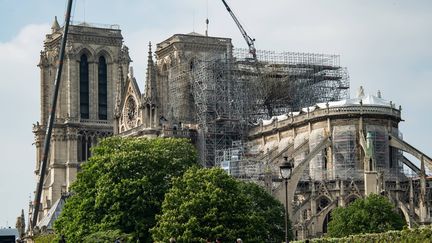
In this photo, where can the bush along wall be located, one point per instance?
(46, 238)
(421, 234)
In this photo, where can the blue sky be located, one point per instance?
(385, 44)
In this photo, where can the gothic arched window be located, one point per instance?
(102, 89)
(84, 87)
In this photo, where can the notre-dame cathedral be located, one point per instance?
(243, 115)
(99, 97)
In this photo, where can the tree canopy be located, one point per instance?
(208, 203)
(373, 214)
(121, 187)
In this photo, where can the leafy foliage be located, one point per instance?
(45, 238)
(373, 214)
(423, 234)
(107, 236)
(210, 203)
(121, 187)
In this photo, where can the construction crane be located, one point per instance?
(250, 41)
(268, 91)
(50, 124)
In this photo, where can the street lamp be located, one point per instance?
(285, 171)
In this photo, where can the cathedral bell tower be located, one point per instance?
(92, 81)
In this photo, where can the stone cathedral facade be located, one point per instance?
(94, 73)
(195, 88)
(100, 97)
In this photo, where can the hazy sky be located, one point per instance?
(385, 44)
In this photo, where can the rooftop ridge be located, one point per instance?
(96, 25)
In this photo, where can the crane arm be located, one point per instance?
(50, 124)
(250, 41)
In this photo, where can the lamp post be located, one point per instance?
(285, 171)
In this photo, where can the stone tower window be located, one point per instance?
(102, 89)
(84, 144)
(84, 87)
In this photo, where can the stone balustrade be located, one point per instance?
(324, 113)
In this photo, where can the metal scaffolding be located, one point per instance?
(219, 105)
(227, 91)
(288, 81)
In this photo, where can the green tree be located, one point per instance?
(107, 236)
(122, 186)
(208, 203)
(373, 214)
(47, 238)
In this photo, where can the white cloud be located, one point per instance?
(20, 53)
(19, 96)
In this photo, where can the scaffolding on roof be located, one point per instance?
(288, 81)
(219, 105)
(227, 91)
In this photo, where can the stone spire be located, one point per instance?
(360, 93)
(20, 224)
(151, 91)
(151, 113)
(55, 25)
